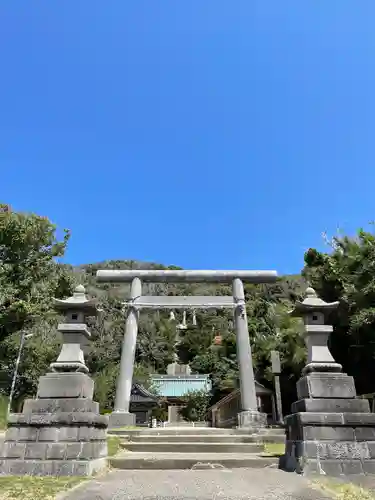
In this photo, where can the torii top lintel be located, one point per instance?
(180, 276)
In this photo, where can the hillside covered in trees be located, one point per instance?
(31, 275)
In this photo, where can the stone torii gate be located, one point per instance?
(249, 416)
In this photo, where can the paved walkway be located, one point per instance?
(250, 484)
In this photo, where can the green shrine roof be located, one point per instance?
(178, 385)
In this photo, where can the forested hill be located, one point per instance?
(31, 275)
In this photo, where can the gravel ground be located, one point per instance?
(252, 484)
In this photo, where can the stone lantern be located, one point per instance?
(329, 431)
(75, 334)
(314, 311)
(60, 432)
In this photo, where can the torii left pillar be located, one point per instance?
(121, 416)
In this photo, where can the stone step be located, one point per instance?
(271, 438)
(170, 461)
(190, 431)
(203, 438)
(192, 447)
(173, 431)
(220, 438)
(276, 431)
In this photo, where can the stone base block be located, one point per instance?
(57, 419)
(330, 443)
(65, 385)
(331, 406)
(253, 420)
(330, 467)
(51, 467)
(330, 426)
(117, 419)
(326, 386)
(66, 405)
(53, 450)
(312, 467)
(61, 433)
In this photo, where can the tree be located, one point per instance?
(38, 353)
(347, 274)
(196, 406)
(29, 273)
(220, 361)
(155, 342)
(30, 277)
(106, 383)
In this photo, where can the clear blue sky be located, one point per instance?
(206, 134)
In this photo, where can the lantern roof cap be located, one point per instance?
(312, 303)
(78, 300)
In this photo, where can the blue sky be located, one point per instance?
(206, 134)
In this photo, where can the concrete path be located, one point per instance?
(250, 484)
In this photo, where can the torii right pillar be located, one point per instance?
(330, 431)
(249, 416)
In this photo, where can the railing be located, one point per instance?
(224, 412)
(157, 423)
(185, 424)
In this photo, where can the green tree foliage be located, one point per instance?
(29, 273)
(196, 406)
(3, 412)
(220, 361)
(347, 274)
(106, 379)
(30, 276)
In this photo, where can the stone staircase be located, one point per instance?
(194, 448)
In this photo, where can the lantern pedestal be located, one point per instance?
(330, 431)
(65, 385)
(60, 433)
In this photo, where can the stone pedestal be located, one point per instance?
(121, 419)
(61, 433)
(329, 431)
(252, 420)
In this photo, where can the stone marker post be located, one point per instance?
(276, 370)
(61, 432)
(330, 431)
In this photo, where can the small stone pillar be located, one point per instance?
(330, 431)
(61, 432)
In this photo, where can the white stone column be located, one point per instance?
(170, 414)
(279, 405)
(274, 412)
(249, 415)
(121, 416)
